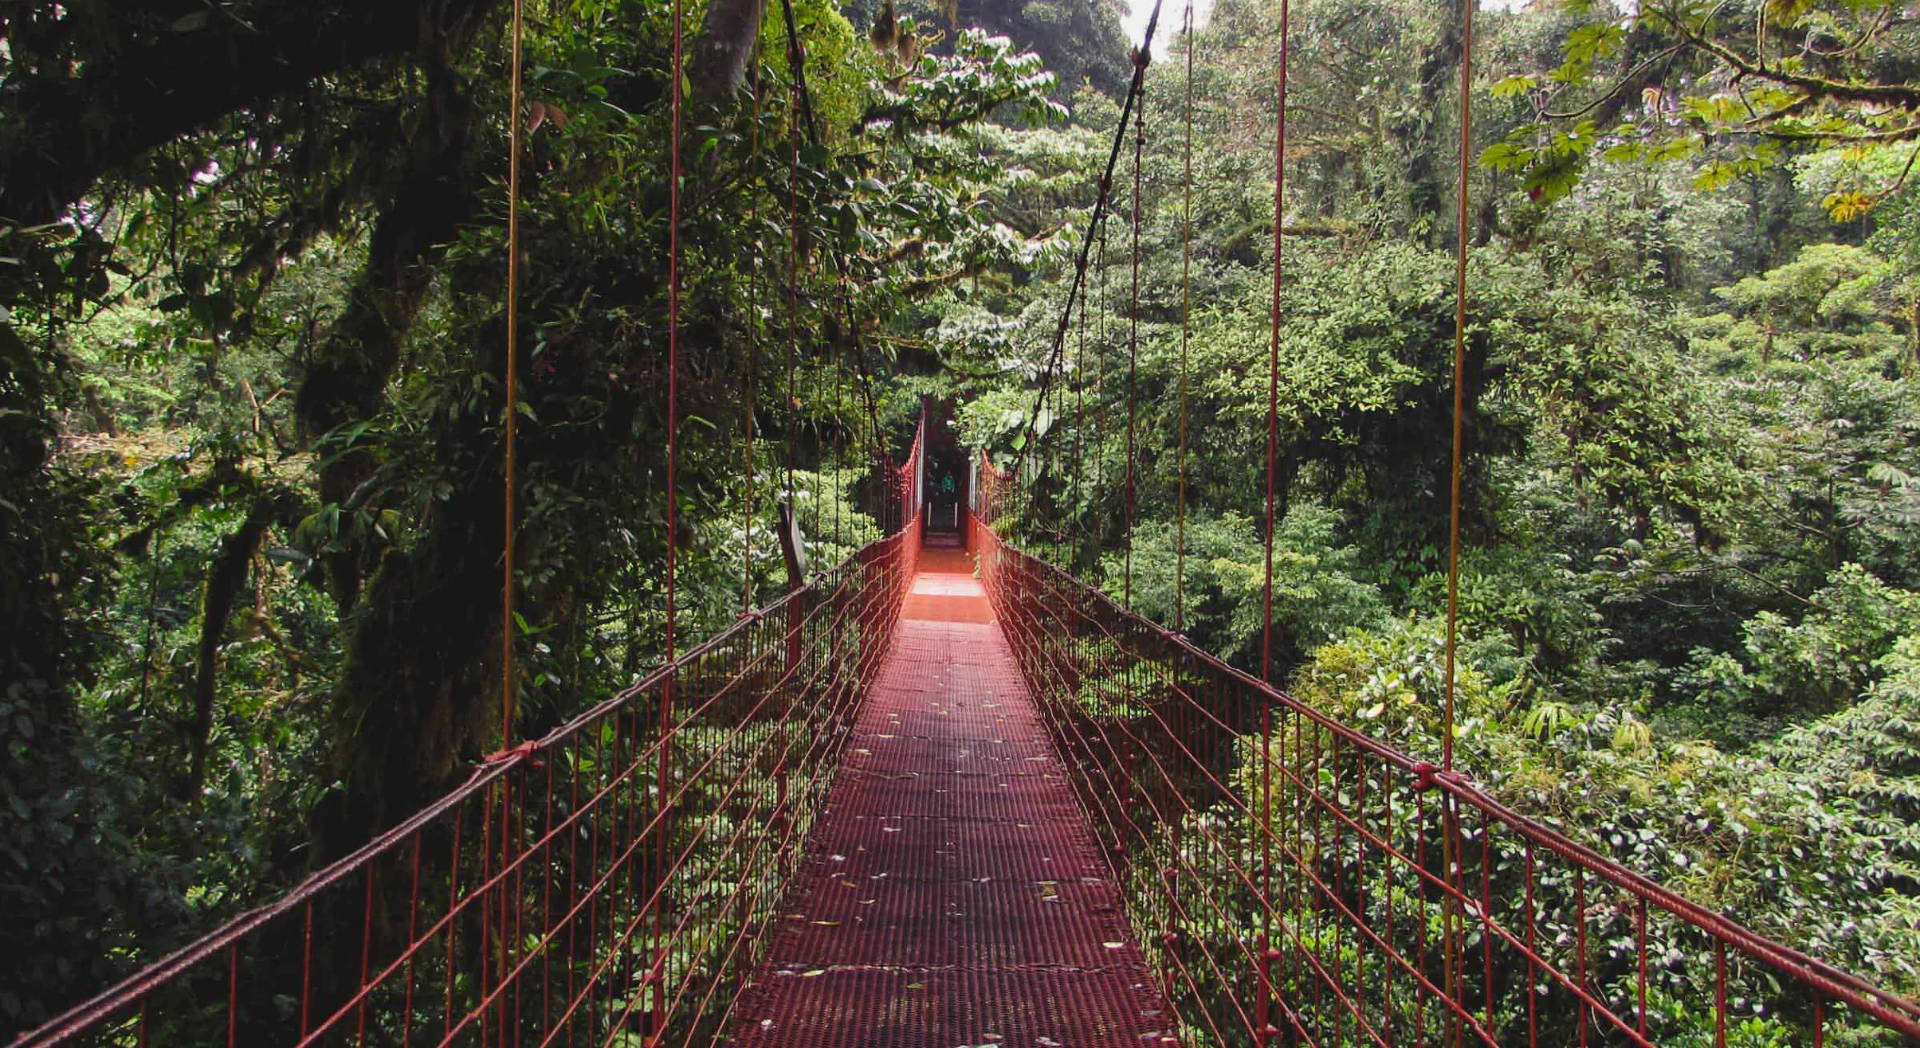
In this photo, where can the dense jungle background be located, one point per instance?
(252, 335)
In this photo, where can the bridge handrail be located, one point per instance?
(131, 990)
(1898, 1013)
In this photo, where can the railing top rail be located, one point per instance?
(130, 990)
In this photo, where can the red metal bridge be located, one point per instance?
(947, 794)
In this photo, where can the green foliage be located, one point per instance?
(1865, 760)
(1827, 659)
(1315, 594)
(1079, 40)
(269, 339)
(1692, 431)
(1829, 286)
(1690, 435)
(1729, 92)
(1607, 381)
(1391, 682)
(1808, 841)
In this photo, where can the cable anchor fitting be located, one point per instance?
(528, 750)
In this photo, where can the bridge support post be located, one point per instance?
(656, 988)
(1170, 932)
(1263, 1002)
(782, 814)
(796, 617)
(794, 551)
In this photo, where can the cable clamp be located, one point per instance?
(528, 750)
(1427, 775)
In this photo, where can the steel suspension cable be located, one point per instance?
(1273, 446)
(1459, 371)
(840, 453)
(753, 352)
(1063, 540)
(673, 322)
(825, 457)
(1080, 500)
(508, 681)
(1186, 330)
(1057, 452)
(795, 101)
(748, 480)
(1051, 459)
(1273, 346)
(1133, 343)
(657, 972)
(1101, 335)
(864, 377)
(1134, 89)
(1450, 844)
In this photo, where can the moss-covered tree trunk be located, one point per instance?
(431, 193)
(416, 705)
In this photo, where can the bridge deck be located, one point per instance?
(952, 893)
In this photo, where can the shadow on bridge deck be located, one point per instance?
(952, 893)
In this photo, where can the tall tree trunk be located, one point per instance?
(1415, 131)
(71, 883)
(1913, 335)
(416, 703)
(431, 196)
(74, 119)
(226, 577)
(145, 88)
(725, 47)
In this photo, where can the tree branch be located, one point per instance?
(1901, 96)
(142, 93)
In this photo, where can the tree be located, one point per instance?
(1731, 88)
(320, 231)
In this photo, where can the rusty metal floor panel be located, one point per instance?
(952, 893)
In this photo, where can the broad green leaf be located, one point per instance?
(1515, 85)
(1506, 156)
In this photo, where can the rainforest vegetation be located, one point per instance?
(253, 260)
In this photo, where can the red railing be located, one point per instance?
(1325, 889)
(607, 884)
(912, 479)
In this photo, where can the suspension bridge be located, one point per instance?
(947, 793)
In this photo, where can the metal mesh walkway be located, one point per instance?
(952, 893)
